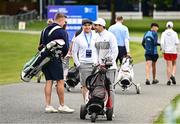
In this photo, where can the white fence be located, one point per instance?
(11, 22)
(126, 15)
(166, 15)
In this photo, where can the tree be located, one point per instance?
(113, 12)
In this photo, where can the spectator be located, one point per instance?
(84, 53)
(23, 10)
(150, 42)
(169, 43)
(53, 71)
(121, 33)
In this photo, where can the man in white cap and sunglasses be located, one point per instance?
(106, 46)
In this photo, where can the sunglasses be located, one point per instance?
(96, 25)
(87, 25)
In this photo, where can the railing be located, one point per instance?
(126, 15)
(166, 15)
(11, 22)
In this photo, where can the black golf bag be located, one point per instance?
(34, 65)
(99, 102)
(73, 77)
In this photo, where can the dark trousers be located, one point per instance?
(122, 52)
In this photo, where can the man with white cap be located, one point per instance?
(169, 43)
(106, 46)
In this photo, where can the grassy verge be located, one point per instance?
(18, 48)
(133, 25)
(171, 114)
(144, 24)
(15, 50)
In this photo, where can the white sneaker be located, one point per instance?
(113, 115)
(50, 109)
(65, 109)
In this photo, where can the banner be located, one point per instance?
(75, 14)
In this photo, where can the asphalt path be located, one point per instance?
(24, 102)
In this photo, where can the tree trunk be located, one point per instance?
(113, 14)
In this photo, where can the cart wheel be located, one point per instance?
(93, 117)
(109, 114)
(83, 112)
(67, 87)
(138, 89)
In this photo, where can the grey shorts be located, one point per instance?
(85, 71)
(111, 73)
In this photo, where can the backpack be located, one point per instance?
(149, 43)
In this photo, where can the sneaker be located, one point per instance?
(173, 79)
(113, 115)
(169, 83)
(50, 109)
(147, 82)
(155, 81)
(65, 109)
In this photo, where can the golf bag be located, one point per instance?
(99, 101)
(73, 77)
(34, 65)
(126, 75)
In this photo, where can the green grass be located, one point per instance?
(137, 52)
(174, 105)
(36, 25)
(133, 25)
(144, 24)
(15, 50)
(18, 48)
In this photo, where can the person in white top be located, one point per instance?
(106, 46)
(84, 53)
(169, 42)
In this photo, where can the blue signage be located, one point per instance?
(75, 14)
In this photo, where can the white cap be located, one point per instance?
(100, 21)
(169, 24)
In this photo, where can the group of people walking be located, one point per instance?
(168, 45)
(93, 43)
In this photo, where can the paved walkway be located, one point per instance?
(24, 102)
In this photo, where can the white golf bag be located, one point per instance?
(34, 65)
(126, 74)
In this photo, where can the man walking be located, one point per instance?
(150, 42)
(169, 43)
(121, 33)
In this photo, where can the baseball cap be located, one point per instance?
(85, 21)
(100, 21)
(169, 24)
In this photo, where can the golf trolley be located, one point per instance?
(126, 75)
(99, 100)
